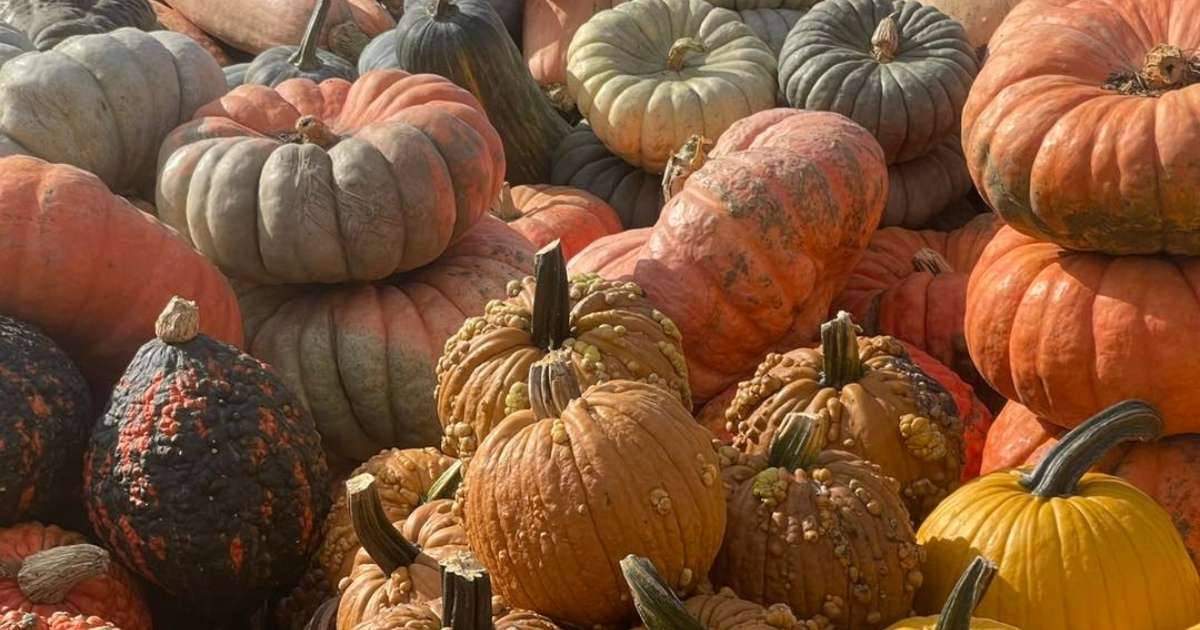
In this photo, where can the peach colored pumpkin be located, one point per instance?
(544, 213)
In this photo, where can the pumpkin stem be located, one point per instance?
(930, 261)
(551, 323)
(446, 484)
(325, 617)
(47, 576)
(313, 130)
(967, 593)
(466, 593)
(795, 445)
(1060, 471)
(677, 55)
(560, 97)
(552, 386)
(1165, 67)
(179, 322)
(383, 542)
(687, 160)
(506, 208)
(658, 606)
(438, 8)
(839, 345)
(885, 41)
(305, 57)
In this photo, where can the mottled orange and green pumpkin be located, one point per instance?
(205, 475)
(17, 620)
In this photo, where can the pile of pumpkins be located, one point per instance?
(541, 314)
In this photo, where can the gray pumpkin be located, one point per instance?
(278, 64)
(921, 189)
(48, 22)
(582, 161)
(13, 42)
(901, 70)
(379, 53)
(235, 75)
(771, 25)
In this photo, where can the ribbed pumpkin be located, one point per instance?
(1089, 142)
(980, 18)
(607, 330)
(46, 570)
(900, 69)
(660, 608)
(379, 53)
(548, 28)
(582, 161)
(205, 474)
(49, 22)
(331, 181)
(17, 620)
(611, 486)
(465, 41)
(13, 42)
(173, 20)
(276, 65)
(1075, 550)
(743, 269)
(924, 187)
(975, 416)
(771, 25)
(544, 214)
(256, 25)
(45, 414)
(645, 90)
(362, 357)
(85, 245)
(820, 530)
(116, 97)
(957, 613)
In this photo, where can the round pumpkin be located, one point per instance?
(820, 530)
(49, 22)
(280, 63)
(173, 20)
(544, 214)
(924, 187)
(957, 613)
(548, 28)
(362, 357)
(379, 53)
(116, 97)
(645, 90)
(235, 74)
(205, 474)
(582, 161)
(331, 181)
(1076, 549)
(771, 25)
(254, 26)
(902, 70)
(46, 570)
(980, 18)
(17, 620)
(13, 42)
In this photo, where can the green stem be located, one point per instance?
(1060, 471)
(466, 594)
(552, 385)
(305, 57)
(795, 445)
(446, 484)
(967, 593)
(383, 542)
(839, 346)
(656, 603)
(551, 324)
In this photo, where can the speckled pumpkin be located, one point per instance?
(17, 620)
(582, 161)
(49, 22)
(922, 188)
(205, 474)
(276, 65)
(45, 415)
(957, 613)
(661, 609)
(13, 42)
(544, 214)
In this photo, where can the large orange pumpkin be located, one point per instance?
(544, 214)
(256, 25)
(548, 29)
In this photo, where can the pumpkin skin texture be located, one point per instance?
(256, 25)
(276, 65)
(45, 412)
(771, 25)
(980, 18)
(582, 161)
(465, 41)
(17, 620)
(254, 508)
(911, 102)
(646, 91)
(548, 28)
(48, 271)
(108, 589)
(957, 614)
(976, 417)
(379, 53)
(416, 165)
(173, 20)
(544, 214)
(922, 188)
(166, 73)
(714, 263)
(362, 357)
(13, 42)
(49, 22)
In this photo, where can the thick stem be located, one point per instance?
(305, 57)
(446, 484)
(1165, 67)
(967, 593)
(325, 617)
(551, 323)
(383, 542)
(438, 8)
(179, 322)
(47, 576)
(656, 603)
(1060, 471)
(560, 97)
(930, 261)
(885, 41)
(677, 55)
(687, 160)
(313, 130)
(796, 444)
(506, 208)
(466, 594)
(552, 386)
(839, 345)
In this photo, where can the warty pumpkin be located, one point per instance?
(205, 474)
(743, 269)
(280, 63)
(645, 91)
(17, 620)
(547, 30)
(256, 25)
(957, 613)
(13, 42)
(116, 97)
(660, 608)
(582, 161)
(173, 20)
(49, 22)
(902, 70)
(922, 188)
(362, 357)
(980, 18)
(46, 570)
(1089, 143)
(544, 214)
(560, 554)
(1076, 549)
(331, 181)
(465, 41)
(976, 417)
(818, 529)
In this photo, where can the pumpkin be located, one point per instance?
(116, 96)
(308, 602)
(217, 529)
(902, 70)
(235, 74)
(608, 330)
(1088, 144)
(980, 18)
(280, 63)
(49, 22)
(924, 187)
(362, 357)
(771, 25)
(1056, 529)
(975, 415)
(957, 613)
(54, 261)
(645, 90)
(548, 28)
(13, 42)
(17, 620)
(45, 412)
(303, 183)
(600, 502)
(46, 570)
(582, 161)
(1068, 333)
(257, 25)
(173, 20)
(743, 269)
(465, 41)
(379, 53)
(544, 214)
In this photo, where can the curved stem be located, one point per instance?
(551, 322)
(885, 41)
(305, 57)
(179, 322)
(1060, 471)
(313, 130)
(930, 261)
(506, 208)
(677, 55)
(47, 576)
(839, 346)
(967, 593)
(446, 484)
(795, 445)
(552, 386)
(466, 594)
(383, 542)
(656, 603)
(325, 617)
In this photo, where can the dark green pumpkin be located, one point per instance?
(276, 65)
(48, 22)
(45, 413)
(465, 41)
(205, 475)
(582, 161)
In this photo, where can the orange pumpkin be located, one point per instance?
(175, 21)
(544, 214)
(17, 620)
(256, 25)
(546, 35)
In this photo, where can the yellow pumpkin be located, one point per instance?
(1076, 550)
(957, 614)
